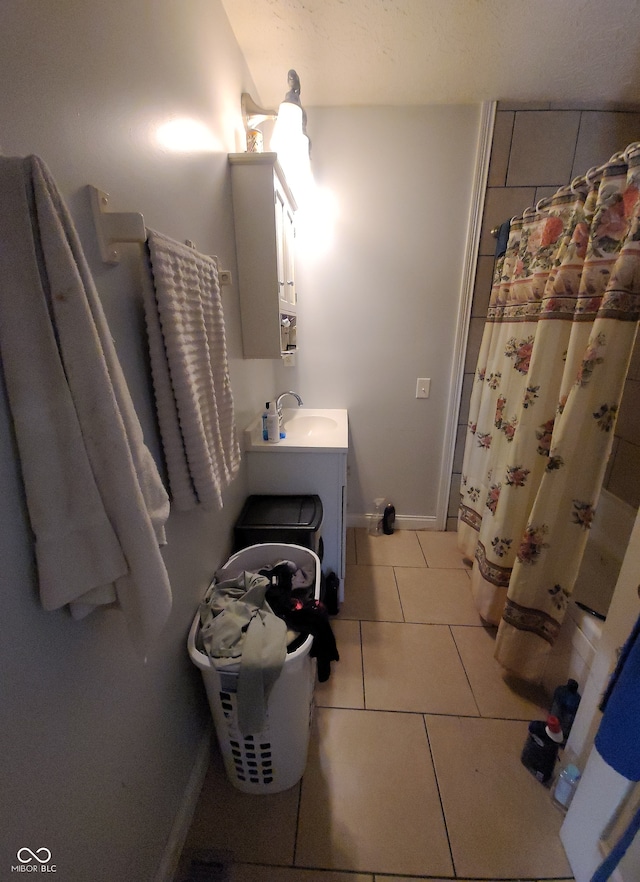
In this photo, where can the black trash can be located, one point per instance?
(296, 520)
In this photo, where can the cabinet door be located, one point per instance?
(288, 236)
(285, 234)
(279, 206)
(263, 208)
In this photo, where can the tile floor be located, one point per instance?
(414, 763)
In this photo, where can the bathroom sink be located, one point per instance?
(310, 426)
(306, 429)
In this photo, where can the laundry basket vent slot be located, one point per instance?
(253, 761)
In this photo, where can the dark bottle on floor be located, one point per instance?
(565, 706)
(541, 748)
(332, 585)
(388, 519)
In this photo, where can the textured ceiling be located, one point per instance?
(362, 52)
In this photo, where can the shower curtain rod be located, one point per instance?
(118, 227)
(594, 174)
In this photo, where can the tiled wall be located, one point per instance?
(536, 149)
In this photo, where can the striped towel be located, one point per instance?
(185, 327)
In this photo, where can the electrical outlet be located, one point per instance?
(423, 387)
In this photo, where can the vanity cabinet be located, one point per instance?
(263, 211)
(301, 472)
(311, 459)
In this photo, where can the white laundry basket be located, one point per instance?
(275, 758)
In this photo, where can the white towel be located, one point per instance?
(187, 345)
(96, 503)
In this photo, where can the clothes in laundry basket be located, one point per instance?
(240, 631)
(291, 596)
(246, 623)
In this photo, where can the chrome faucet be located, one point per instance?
(279, 402)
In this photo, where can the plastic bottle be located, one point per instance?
(541, 748)
(565, 706)
(273, 423)
(332, 584)
(375, 519)
(265, 435)
(388, 519)
(566, 786)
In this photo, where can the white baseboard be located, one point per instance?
(175, 842)
(402, 522)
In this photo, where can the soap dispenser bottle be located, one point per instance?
(273, 422)
(265, 435)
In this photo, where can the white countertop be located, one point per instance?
(308, 429)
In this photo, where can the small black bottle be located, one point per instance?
(388, 519)
(541, 748)
(332, 584)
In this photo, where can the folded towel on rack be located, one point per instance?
(96, 502)
(187, 345)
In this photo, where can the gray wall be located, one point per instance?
(378, 305)
(536, 149)
(96, 747)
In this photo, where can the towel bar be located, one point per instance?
(114, 227)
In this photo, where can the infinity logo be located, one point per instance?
(33, 854)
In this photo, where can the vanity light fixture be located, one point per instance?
(253, 115)
(289, 138)
(291, 142)
(291, 119)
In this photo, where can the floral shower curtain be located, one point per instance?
(560, 330)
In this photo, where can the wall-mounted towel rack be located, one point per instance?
(114, 228)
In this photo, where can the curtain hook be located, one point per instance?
(578, 184)
(545, 202)
(592, 174)
(632, 148)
